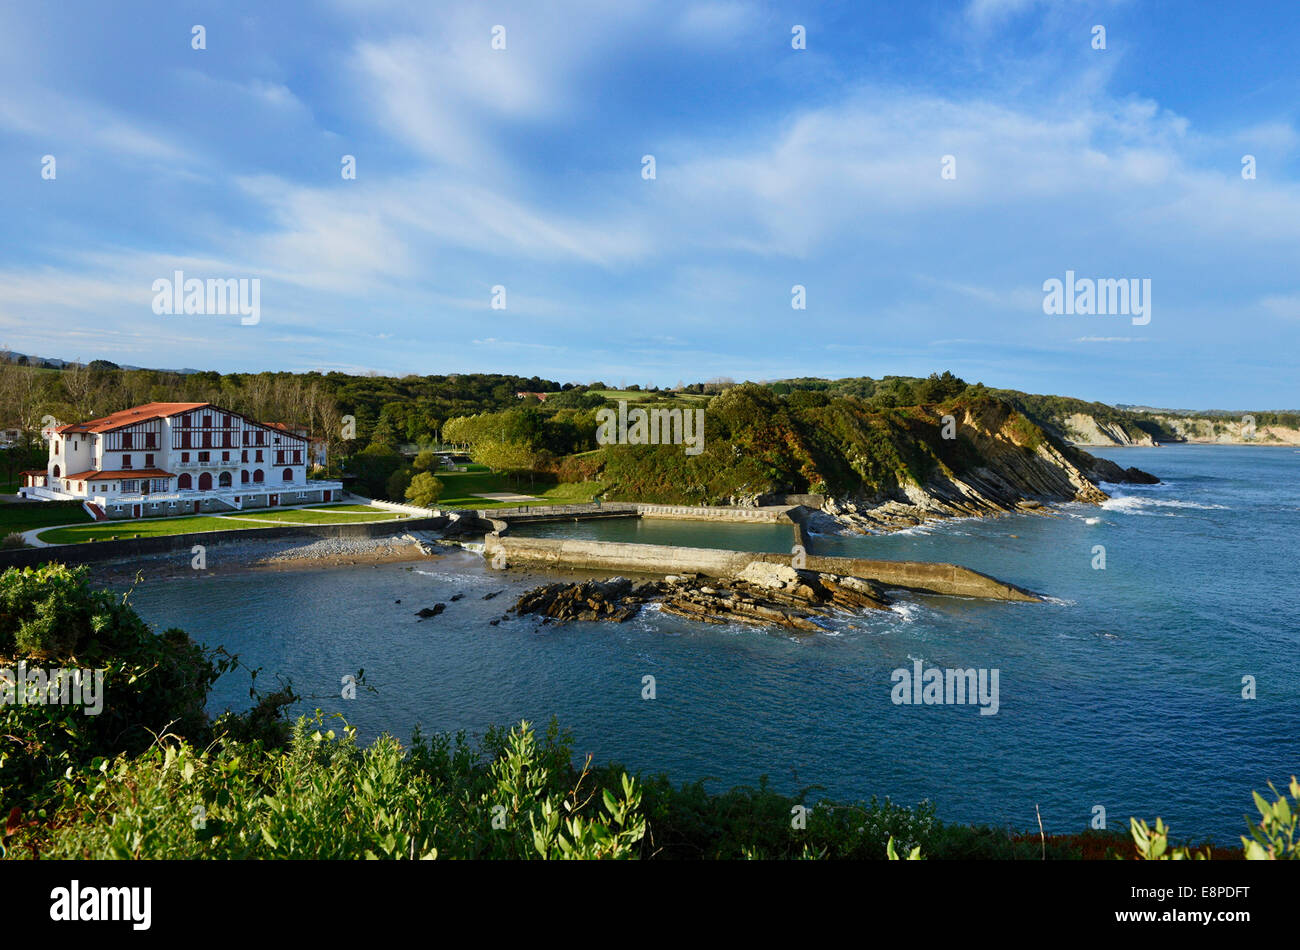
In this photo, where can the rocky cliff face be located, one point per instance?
(1228, 431)
(1019, 468)
(1083, 429)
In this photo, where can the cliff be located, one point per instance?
(878, 467)
(1009, 465)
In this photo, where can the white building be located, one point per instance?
(176, 458)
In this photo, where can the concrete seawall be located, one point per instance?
(950, 579)
(127, 548)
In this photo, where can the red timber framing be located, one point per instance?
(140, 436)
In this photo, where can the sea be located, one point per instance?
(1159, 677)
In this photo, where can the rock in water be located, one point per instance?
(765, 594)
(431, 611)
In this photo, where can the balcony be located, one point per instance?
(211, 463)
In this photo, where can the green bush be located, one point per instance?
(424, 490)
(49, 618)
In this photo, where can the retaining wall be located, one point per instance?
(770, 515)
(127, 548)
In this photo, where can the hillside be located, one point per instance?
(1095, 423)
(878, 467)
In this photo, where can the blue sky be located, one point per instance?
(522, 168)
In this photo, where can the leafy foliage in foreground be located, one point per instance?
(1273, 838)
(50, 618)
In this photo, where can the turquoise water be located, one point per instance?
(1123, 691)
(755, 538)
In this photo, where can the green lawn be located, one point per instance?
(144, 527)
(459, 490)
(21, 516)
(316, 516)
(342, 508)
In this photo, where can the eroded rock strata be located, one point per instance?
(764, 594)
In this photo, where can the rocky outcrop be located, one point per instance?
(1019, 469)
(764, 594)
(1228, 430)
(1083, 429)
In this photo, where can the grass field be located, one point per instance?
(316, 516)
(158, 527)
(145, 528)
(460, 488)
(26, 516)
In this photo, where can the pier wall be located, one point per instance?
(950, 579)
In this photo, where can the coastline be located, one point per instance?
(281, 554)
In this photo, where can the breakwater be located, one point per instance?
(925, 577)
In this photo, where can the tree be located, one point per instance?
(372, 468)
(424, 490)
(425, 461)
(398, 483)
(511, 458)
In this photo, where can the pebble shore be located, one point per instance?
(231, 557)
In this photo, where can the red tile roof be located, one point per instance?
(150, 410)
(286, 429)
(91, 475)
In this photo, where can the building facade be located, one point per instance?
(177, 458)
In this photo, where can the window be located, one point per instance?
(183, 482)
(207, 440)
(205, 456)
(126, 441)
(185, 420)
(185, 456)
(148, 461)
(131, 485)
(185, 440)
(288, 474)
(149, 441)
(244, 456)
(207, 422)
(225, 456)
(126, 461)
(297, 457)
(56, 447)
(225, 420)
(259, 456)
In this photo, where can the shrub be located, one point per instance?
(49, 618)
(13, 541)
(424, 490)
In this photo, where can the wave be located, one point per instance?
(1134, 504)
(907, 613)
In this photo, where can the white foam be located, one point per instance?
(1133, 504)
(908, 613)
